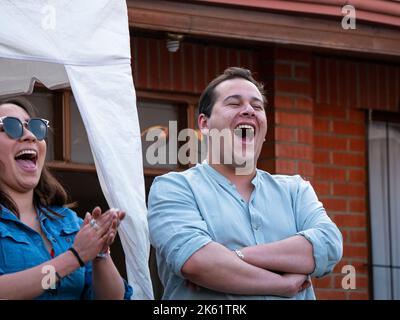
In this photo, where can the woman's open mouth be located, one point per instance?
(27, 159)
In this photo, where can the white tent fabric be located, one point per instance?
(85, 44)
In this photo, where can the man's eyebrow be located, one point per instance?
(237, 96)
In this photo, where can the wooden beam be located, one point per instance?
(265, 27)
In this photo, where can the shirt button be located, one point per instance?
(54, 240)
(255, 226)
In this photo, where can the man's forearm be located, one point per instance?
(217, 268)
(292, 255)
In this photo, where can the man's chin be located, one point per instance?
(244, 165)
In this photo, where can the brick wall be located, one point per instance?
(289, 145)
(341, 183)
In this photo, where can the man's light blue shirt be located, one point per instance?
(187, 210)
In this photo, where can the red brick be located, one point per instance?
(354, 115)
(322, 69)
(349, 220)
(349, 159)
(354, 129)
(338, 268)
(294, 119)
(330, 173)
(345, 235)
(357, 175)
(322, 188)
(292, 86)
(283, 102)
(349, 189)
(333, 87)
(330, 142)
(355, 251)
(361, 282)
(360, 266)
(330, 112)
(335, 204)
(322, 125)
(306, 168)
(330, 295)
(357, 145)
(325, 282)
(358, 236)
(283, 70)
(357, 205)
(302, 72)
(294, 151)
(305, 136)
(321, 157)
(358, 295)
(285, 134)
(286, 167)
(304, 103)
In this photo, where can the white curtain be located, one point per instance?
(384, 177)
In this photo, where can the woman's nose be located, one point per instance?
(27, 135)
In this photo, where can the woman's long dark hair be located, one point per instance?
(48, 192)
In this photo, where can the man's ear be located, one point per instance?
(202, 122)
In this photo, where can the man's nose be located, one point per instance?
(248, 110)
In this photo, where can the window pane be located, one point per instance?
(80, 148)
(159, 126)
(384, 180)
(43, 102)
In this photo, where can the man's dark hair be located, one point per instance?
(208, 97)
(48, 191)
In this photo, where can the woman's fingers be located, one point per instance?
(121, 215)
(105, 225)
(87, 219)
(96, 212)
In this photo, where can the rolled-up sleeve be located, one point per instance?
(176, 227)
(314, 224)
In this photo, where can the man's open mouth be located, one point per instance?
(245, 131)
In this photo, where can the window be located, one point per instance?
(384, 177)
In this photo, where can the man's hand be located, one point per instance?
(295, 283)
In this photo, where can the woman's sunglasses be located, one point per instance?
(15, 127)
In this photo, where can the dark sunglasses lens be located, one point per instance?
(13, 127)
(38, 127)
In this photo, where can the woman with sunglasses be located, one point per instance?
(46, 251)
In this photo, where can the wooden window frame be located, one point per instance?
(63, 140)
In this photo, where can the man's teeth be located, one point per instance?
(32, 152)
(244, 131)
(244, 126)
